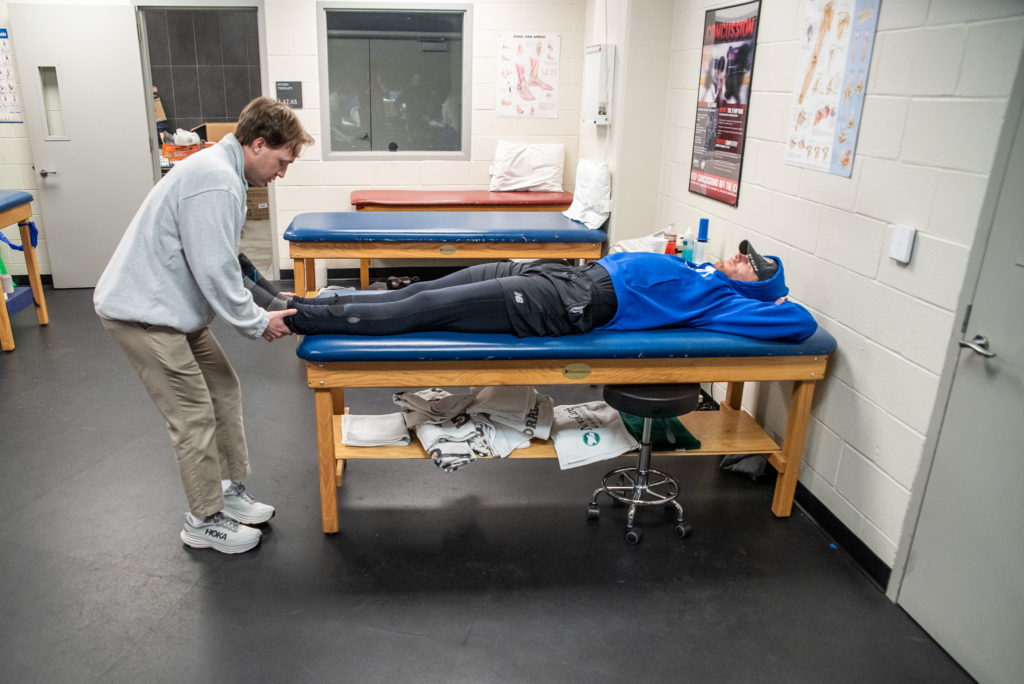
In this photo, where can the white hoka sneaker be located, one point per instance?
(241, 506)
(220, 532)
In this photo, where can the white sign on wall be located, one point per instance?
(831, 82)
(10, 100)
(527, 81)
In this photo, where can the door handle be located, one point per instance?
(44, 173)
(978, 345)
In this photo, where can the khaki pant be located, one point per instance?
(197, 392)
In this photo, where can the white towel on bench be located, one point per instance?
(432, 405)
(587, 433)
(371, 431)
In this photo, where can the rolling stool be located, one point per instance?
(647, 402)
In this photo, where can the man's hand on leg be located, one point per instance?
(277, 327)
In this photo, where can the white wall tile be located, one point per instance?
(834, 501)
(821, 450)
(935, 272)
(875, 540)
(444, 173)
(501, 17)
(957, 206)
(851, 241)
(15, 151)
(779, 20)
(922, 61)
(955, 11)
(291, 14)
(834, 191)
(878, 497)
(881, 128)
(936, 136)
(393, 174)
(845, 361)
(896, 193)
(990, 63)
(902, 14)
(815, 282)
(795, 222)
(902, 388)
(773, 172)
(767, 116)
(776, 64)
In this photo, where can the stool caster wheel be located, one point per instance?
(593, 512)
(634, 536)
(683, 530)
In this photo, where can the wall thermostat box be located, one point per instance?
(902, 244)
(598, 77)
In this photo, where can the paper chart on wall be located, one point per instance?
(10, 99)
(831, 81)
(527, 81)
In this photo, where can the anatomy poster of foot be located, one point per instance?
(527, 76)
(831, 80)
(723, 95)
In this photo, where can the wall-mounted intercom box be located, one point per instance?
(598, 77)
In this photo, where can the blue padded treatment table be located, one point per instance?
(432, 235)
(15, 207)
(334, 362)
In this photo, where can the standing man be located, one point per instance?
(174, 271)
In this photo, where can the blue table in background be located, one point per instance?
(15, 207)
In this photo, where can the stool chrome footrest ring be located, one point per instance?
(634, 494)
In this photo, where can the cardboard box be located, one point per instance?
(158, 107)
(257, 205)
(212, 132)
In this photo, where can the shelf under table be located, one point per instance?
(720, 432)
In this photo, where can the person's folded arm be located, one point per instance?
(206, 224)
(760, 320)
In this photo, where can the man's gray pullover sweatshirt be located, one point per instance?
(176, 264)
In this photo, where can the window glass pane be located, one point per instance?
(395, 81)
(420, 103)
(348, 74)
(51, 101)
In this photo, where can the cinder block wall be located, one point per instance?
(313, 185)
(940, 77)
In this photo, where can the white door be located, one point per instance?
(85, 108)
(964, 580)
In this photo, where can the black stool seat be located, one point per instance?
(653, 401)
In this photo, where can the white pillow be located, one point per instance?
(537, 168)
(593, 194)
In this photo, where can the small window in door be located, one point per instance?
(53, 111)
(395, 83)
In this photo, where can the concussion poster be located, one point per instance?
(723, 95)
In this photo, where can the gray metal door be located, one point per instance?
(85, 108)
(964, 580)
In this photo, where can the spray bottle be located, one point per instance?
(671, 236)
(700, 249)
(687, 245)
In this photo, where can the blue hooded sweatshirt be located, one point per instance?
(664, 291)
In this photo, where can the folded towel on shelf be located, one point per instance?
(371, 431)
(511, 402)
(432, 405)
(587, 433)
(499, 439)
(537, 421)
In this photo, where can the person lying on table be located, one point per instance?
(744, 295)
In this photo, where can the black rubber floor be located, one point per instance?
(490, 574)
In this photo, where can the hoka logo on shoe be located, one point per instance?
(218, 535)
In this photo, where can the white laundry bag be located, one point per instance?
(652, 243)
(591, 202)
(532, 167)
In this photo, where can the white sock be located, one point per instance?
(225, 484)
(194, 520)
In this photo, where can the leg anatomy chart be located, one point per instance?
(831, 81)
(527, 75)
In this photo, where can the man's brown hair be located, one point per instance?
(273, 121)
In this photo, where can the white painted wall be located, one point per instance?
(313, 185)
(940, 78)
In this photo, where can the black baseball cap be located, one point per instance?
(763, 268)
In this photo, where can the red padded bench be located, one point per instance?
(459, 200)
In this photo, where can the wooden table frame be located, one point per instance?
(305, 254)
(729, 431)
(21, 215)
